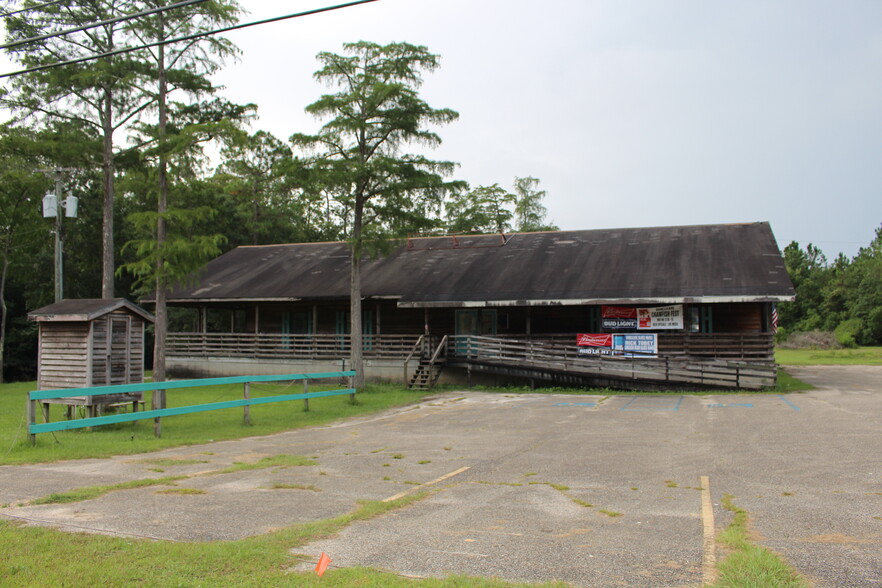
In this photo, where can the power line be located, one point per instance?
(185, 38)
(20, 10)
(100, 23)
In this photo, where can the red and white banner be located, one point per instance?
(619, 312)
(594, 340)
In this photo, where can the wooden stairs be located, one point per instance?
(428, 370)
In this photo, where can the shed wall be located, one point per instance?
(64, 355)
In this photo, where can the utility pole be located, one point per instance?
(52, 205)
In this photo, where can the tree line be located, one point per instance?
(169, 174)
(843, 296)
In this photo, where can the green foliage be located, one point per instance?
(529, 211)
(844, 297)
(847, 331)
(481, 210)
(491, 209)
(357, 154)
(181, 254)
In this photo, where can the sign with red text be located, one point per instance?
(617, 318)
(660, 317)
(625, 344)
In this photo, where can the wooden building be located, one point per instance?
(269, 308)
(91, 342)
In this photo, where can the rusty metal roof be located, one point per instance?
(85, 309)
(704, 263)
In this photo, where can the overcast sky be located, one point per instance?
(631, 113)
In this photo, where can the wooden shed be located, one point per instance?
(90, 342)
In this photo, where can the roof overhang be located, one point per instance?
(592, 301)
(65, 311)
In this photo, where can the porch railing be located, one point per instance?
(551, 356)
(285, 346)
(753, 347)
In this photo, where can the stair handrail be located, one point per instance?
(442, 346)
(416, 347)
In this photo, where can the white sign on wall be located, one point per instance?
(660, 317)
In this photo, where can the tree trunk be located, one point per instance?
(356, 356)
(4, 268)
(107, 252)
(160, 326)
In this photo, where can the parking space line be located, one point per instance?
(709, 554)
(655, 404)
(421, 486)
(788, 403)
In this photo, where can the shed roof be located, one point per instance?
(85, 309)
(704, 263)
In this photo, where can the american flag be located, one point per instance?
(774, 318)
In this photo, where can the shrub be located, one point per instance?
(847, 331)
(811, 340)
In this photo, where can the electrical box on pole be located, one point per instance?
(50, 205)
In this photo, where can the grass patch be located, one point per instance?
(266, 560)
(581, 502)
(610, 513)
(182, 430)
(274, 461)
(858, 356)
(90, 492)
(749, 564)
(787, 383)
(670, 484)
(171, 461)
(278, 486)
(424, 461)
(558, 487)
(181, 491)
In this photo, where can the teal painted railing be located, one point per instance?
(36, 396)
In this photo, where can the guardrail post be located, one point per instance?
(157, 403)
(246, 392)
(32, 418)
(306, 391)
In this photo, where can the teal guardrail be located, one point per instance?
(36, 396)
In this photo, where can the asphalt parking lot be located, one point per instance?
(592, 490)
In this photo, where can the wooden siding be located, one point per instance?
(64, 355)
